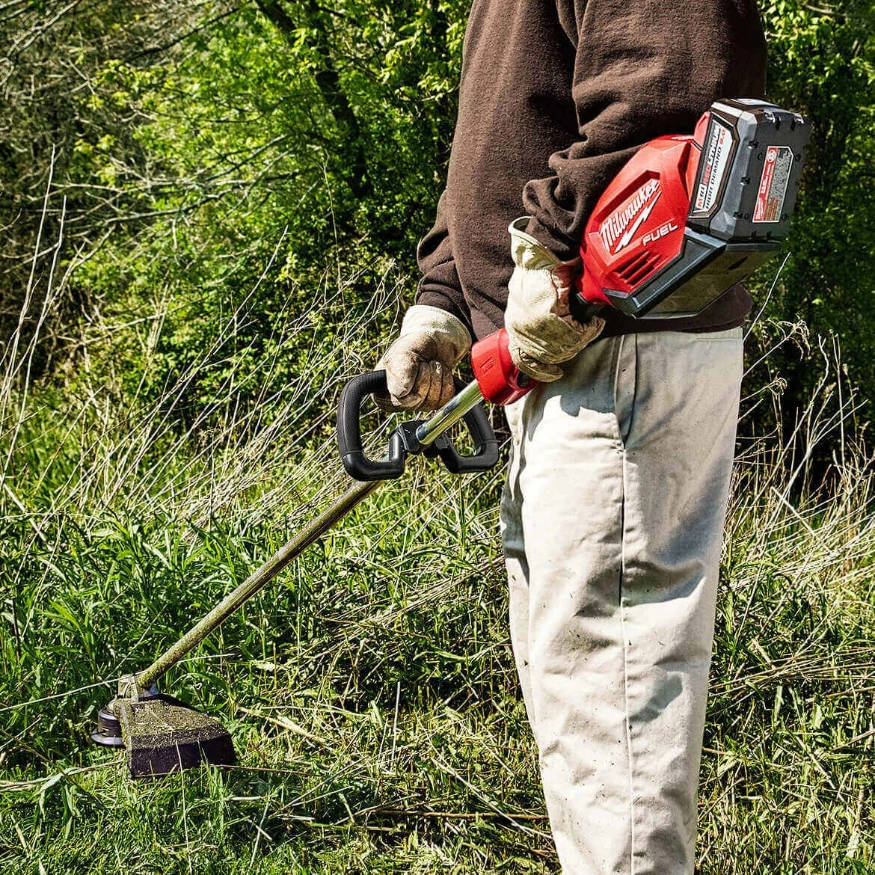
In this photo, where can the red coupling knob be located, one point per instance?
(499, 379)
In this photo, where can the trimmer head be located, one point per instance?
(160, 733)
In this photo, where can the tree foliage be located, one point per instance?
(163, 163)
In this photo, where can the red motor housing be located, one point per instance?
(638, 224)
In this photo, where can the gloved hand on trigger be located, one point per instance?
(419, 364)
(541, 330)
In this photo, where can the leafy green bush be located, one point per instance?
(822, 62)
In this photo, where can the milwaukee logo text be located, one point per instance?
(620, 227)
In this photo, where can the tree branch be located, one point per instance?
(328, 82)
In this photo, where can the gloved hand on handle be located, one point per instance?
(419, 364)
(541, 330)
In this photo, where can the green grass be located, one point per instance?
(371, 690)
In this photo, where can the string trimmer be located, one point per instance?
(685, 219)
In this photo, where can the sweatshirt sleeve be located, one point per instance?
(439, 285)
(642, 69)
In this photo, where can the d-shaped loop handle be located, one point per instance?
(403, 440)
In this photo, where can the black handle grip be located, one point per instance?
(349, 432)
(403, 439)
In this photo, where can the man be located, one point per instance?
(616, 493)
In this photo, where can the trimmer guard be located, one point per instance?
(161, 734)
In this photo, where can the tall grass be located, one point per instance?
(371, 690)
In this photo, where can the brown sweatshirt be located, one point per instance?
(555, 96)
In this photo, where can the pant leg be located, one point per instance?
(612, 519)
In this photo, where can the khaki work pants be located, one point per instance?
(612, 519)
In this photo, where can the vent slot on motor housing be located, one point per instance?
(634, 269)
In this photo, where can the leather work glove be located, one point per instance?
(419, 364)
(540, 327)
